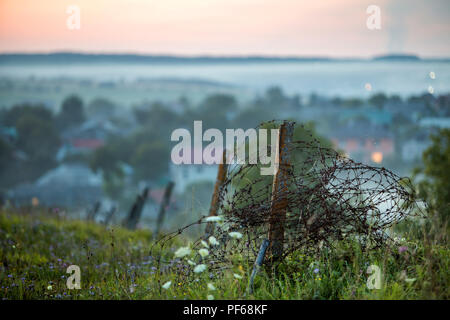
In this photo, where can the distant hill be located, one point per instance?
(61, 57)
(397, 57)
(72, 57)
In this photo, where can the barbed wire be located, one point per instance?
(328, 197)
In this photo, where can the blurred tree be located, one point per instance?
(275, 96)
(253, 116)
(150, 160)
(378, 100)
(107, 159)
(101, 107)
(217, 110)
(36, 144)
(220, 102)
(435, 187)
(395, 99)
(352, 102)
(145, 151)
(36, 137)
(71, 113)
(158, 117)
(6, 155)
(12, 116)
(184, 102)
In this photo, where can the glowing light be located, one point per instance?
(432, 75)
(430, 89)
(368, 86)
(34, 202)
(377, 157)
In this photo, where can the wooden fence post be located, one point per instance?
(163, 207)
(110, 215)
(279, 201)
(93, 212)
(215, 203)
(136, 210)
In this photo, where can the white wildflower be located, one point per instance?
(203, 252)
(213, 241)
(410, 280)
(213, 219)
(49, 288)
(200, 268)
(236, 235)
(192, 263)
(205, 244)
(211, 287)
(210, 297)
(167, 285)
(237, 276)
(183, 251)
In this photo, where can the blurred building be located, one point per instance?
(68, 185)
(364, 143)
(87, 137)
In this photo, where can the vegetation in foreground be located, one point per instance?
(36, 249)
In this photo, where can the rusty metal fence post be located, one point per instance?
(215, 200)
(279, 201)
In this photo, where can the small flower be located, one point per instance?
(192, 263)
(237, 276)
(49, 288)
(213, 219)
(213, 241)
(200, 268)
(211, 287)
(410, 280)
(167, 285)
(183, 251)
(236, 235)
(205, 244)
(316, 270)
(402, 249)
(203, 252)
(210, 297)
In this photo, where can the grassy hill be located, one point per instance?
(36, 248)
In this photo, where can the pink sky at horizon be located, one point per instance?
(227, 27)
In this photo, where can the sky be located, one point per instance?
(332, 28)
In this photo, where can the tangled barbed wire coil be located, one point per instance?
(327, 197)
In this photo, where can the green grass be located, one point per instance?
(36, 249)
